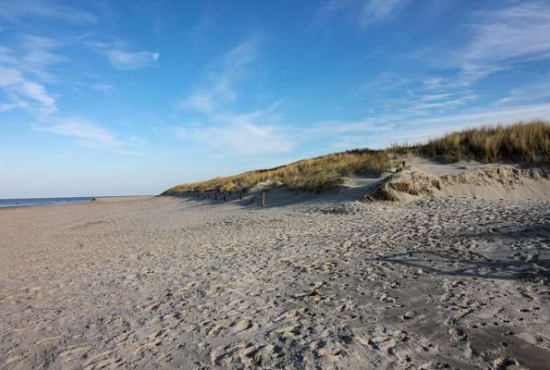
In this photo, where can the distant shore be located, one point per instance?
(29, 202)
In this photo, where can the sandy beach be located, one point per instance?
(436, 283)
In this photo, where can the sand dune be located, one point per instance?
(492, 181)
(315, 283)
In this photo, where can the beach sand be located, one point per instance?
(315, 283)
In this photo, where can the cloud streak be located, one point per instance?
(362, 13)
(254, 132)
(21, 92)
(86, 132)
(510, 34)
(126, 60)
(220, 87)
(120, 57)
(19, 11)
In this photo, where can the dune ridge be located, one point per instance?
(523, 142)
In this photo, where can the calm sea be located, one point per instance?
(41, 201)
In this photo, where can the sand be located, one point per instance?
(447, 282)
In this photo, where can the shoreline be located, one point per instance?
(75, 200)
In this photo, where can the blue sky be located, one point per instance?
(132, 97)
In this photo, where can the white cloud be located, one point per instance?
(363, 13)
(225, 130)
(517, 32)
(121, 59)
(103, 87)
(9, 77)
(38, 93)
(500, 40)
(18, 11)
(20, 92)
(20, 67)
(531, 92)
(239, 138)
(137, 140)
(376, 11)
(86, 132)
(220, 87)
(202, 102)
(39, 53)
(6, 107)
(32, 54)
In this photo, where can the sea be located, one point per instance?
(42, 201)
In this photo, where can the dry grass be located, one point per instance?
(316, 174)
(521, 142)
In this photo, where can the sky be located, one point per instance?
(132, 97)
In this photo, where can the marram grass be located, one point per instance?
(316, 174)
(522, 142)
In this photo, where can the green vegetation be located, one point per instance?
(521, 142)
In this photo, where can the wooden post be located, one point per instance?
(240, 194)
(263, 199)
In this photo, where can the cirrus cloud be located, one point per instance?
(121, 59)
(85, 131)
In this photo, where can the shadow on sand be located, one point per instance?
(446, 264)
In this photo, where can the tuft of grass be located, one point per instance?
(521, 142)
(316, 174)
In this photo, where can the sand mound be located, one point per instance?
(501, 182)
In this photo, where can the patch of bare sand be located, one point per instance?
(484, 182)
(173, 283)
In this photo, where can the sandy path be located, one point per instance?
(169, 283)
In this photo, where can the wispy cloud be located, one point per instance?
(119, 55)
(32, 54)
(21, 92)
(88, 133)
(363, 13)
(85, 131)
(502, 38)
(531, 92)
(15, 104)
(19, 11)
(231, 133)
(238, 138)
(24, 73)
(376, 11)
(220, 86)
(224, 129)
(510, 34)
(131, 60)
(103, 87)
(380, 131)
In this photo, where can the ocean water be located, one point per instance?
(41, 201)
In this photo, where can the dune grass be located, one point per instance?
(316, 174)
(522, 142)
